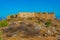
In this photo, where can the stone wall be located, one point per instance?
(43, 15)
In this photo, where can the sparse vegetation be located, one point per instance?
(3, 23)
(29, 27)
(48, 23)
(0, 35)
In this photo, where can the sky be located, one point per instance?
(8, 7)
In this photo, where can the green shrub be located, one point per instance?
(3, 23)
(48, 23)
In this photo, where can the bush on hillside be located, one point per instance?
(3, 23)
(48, 23)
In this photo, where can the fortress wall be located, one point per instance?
(52, 16)
(48, 16)
(40, 15)
(25, 15)
(43, 15)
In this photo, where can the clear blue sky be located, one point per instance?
(8, 7)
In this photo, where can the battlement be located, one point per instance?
(44, 15)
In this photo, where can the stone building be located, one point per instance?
(42, 15)
(25, 15)
(46, 15)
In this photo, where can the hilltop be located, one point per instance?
(31, 26)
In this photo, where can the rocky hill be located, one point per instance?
(28, 27)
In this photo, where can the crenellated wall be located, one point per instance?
(25, 15)
(42, 15)
(45, 15)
